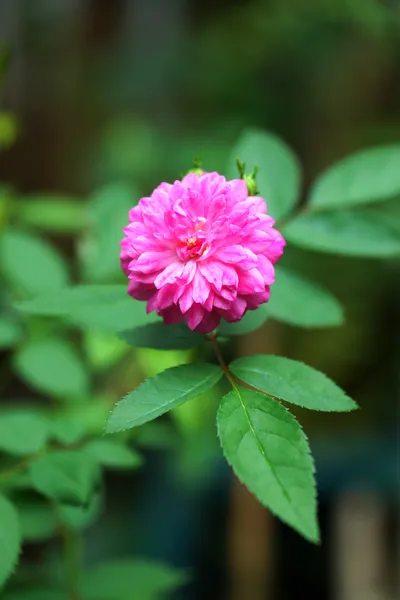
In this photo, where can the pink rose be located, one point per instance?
(200, 250)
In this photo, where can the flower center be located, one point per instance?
(193, 247)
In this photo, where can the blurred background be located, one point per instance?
(110, 98)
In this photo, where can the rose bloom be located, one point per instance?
(201, 250)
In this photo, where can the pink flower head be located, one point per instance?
(200, 250)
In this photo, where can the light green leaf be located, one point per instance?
(108, 213)
(22, 432)
(37, 518)
(52, 365)
(159, 394)
(278, 178)
(162, 337)
(268, 451)
(67, 476)
(10, 539)
(113, 454)
(292, 381)
(31, 264)
(80, 517)
(55, 213)
(136, 579)
(72, 299)
(103, 349)
(67, 430)
(350, 233)
(11, 332)
(251, 321)
(99, 307)
(367, 176)
(299, 301)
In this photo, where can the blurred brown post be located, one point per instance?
(359, 551)
(250, 546)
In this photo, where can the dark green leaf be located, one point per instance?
(66, 476)
(58, 214)
(251, 321)
(18, 481)
(10, 539)
(136, 579)
(52, 365)
(9, 127)
(278, 178)
(268, 451)
(22, 433)
(299, 301)
(292, 381)
(351, 233)
(162, 337)
(37, 518)
(80, 517)
(31, 264)
(100, 307)
(367, 176)
(113, 454)
(156, 435)
(39, 594)
(11, 332)
(159, 394)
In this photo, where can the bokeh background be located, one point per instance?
(125, 93)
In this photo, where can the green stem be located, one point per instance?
(233, 380)
(18, 467)
(72, 559)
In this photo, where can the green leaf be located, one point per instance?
(159, 394)
(10, 539)
(351, 233)
(18, 481)
(67, 430)
(100, 307)
(299, 301)
(103, 349)
(22, 433)
(136, 579)
(80, 517)
(292, 381)
(11, 332)
(268, 451)
(162, 337)
(55, 213)
(9, 127)
(251, 321)
(37, 518)
(278, 178)
(113, 454)
(31, 264)
(67, 476)
(52, 365)
(108, 213)
(38, 594)
(367, 176)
